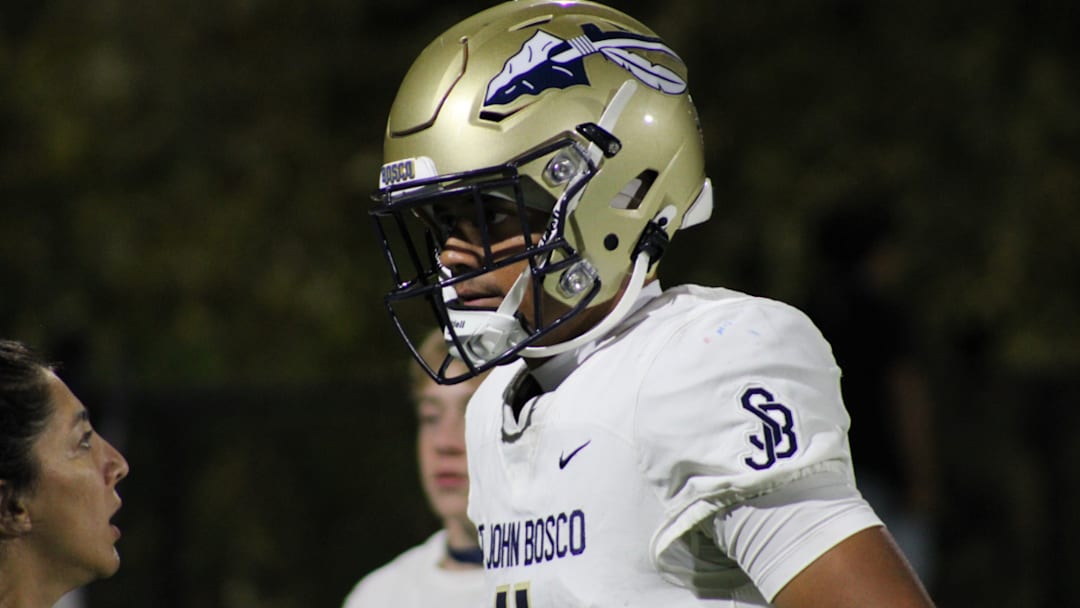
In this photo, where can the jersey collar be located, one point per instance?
(551, 373)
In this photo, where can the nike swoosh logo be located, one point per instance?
(564, 460)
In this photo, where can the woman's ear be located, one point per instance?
(14, 518)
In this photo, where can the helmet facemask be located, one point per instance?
(415, 218)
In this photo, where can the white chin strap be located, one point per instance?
(617, 314)
(486, 334)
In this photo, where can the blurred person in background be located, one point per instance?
(446, 569)
(58, 482)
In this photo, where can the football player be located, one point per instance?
(633, 446)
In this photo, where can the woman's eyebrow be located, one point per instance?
(80, 417)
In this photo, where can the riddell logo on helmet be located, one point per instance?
(549, 62)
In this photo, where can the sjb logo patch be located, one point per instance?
(777, 439)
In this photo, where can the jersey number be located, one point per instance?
(520, 593)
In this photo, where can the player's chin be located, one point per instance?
(454, 494)
(451, 505)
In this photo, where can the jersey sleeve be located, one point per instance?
(741, 398)
(775, 536)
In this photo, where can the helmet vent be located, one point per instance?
(634, 191)
(499, 116)
(530, 23)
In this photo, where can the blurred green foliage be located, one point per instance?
(183, 195)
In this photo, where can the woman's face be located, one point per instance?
(70, 507)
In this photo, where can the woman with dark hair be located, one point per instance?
(57, 486)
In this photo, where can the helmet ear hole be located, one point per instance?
(631, 195)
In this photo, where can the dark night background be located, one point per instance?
(183, 224)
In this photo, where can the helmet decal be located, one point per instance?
(546, 61)
(406, 170)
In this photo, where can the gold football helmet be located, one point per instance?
(573, 109)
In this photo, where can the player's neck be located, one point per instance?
(460, 533)
(461, 544)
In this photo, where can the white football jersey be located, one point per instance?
(602, 491)
(415, 579)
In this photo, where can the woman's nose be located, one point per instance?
(117, 467)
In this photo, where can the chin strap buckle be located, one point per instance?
(653, 242)
(654, 238)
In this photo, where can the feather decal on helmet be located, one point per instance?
(546, 61)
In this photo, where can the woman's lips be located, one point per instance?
(115, 529)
